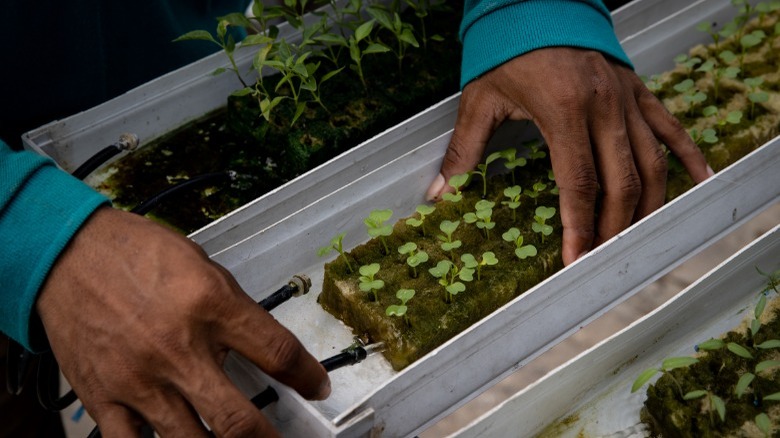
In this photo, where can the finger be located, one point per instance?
(223, 407)
(477, 120)
(575, 175)
(620, 183)
(117, 421)
(668, 129)
(173, 416)
(650, 162)
(255, 334)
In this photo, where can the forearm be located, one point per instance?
(41, 208)
(494, 32)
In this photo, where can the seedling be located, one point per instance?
(456, 182)
(447, 243)
(482, 169)
(375, 223)
(512, 161)
(551, 177)
(756, 95)
(451, 277)
(764, 424)
(687, 62)
(336, 245)
(653, 83)
(708, 28)
(422, 210)
(521, 251)
(403, 32)
(666, 367)
(715, 403)
(540, 221)
(748, 41)
(707, 135)
(535, 150)
(415, 257)
(488, 259)
(482, 216)
(357, 52)
(732, 118)
(513, 193)
(368, 282)
(400, 310)
(537, 189)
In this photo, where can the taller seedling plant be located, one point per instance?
(375, 223)
(336, 244)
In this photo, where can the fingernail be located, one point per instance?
(710, 172)
(435, 188)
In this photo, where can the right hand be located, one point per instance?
(140, 321)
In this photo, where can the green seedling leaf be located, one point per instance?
(542, 228)
(196, 35)
(395, 310)
(513, 192)
(643, 378)
(709, 111)
(441, 269)
(489, 258)
(425, 210)
(693, 395)
(452, 197)
(711, 344)
(755, 326)
(709, 136)
(369, 270)
(417, 259)
(734, 117)
(298, 112)
(405, 295)
(683, 86)
(720, 406)
(458, 181)
(466, 274)
(678, 362)
(366, 286)
(758, 97)
(763, 423)
(407, 248)
(773, 397)
(743, 383)
(765, 365)
(242, 92)
(511, 235)
(449, 246)
(448, 227)
(754, 82)
(545, 212)
(414, 222)
(484, 204)
(376, 48)
(470, 217)
(456, 288)
(469, 261)
(525, 251)
(739, 350)
(727, 56)
(772, 343)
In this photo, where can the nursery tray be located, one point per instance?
(276, 236)
(589, 396)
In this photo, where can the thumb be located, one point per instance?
(474, 126)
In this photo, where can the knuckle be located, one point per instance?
(659, 164)
(584, 182)
(630, 188)
(236, 423)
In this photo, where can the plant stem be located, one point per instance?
(349, 266)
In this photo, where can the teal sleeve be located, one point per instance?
(41, 208)
(495, 31)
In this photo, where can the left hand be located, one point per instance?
(602, 126)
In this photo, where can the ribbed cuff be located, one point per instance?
(45, 211)
(505, 32)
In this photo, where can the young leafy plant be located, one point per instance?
(715, 403)
(368, 282)
(512, 161)
(513, 193)
(731, 118)
(667, 366)
(401, 310)
(336, 245)
(451, 277)
(482, 216)
(513, 235)
(488, 259)
(537, 189)
(415, 258)
(707, 135)
(482, 169)
(423, 210)
(447, 242)
(756, 95)
(375, 223)
(540, 221)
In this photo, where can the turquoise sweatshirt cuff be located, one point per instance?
(494, 32)
(41, 209)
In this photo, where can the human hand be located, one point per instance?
(602, 126)
(140, 321)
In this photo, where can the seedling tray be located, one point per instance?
(590, 395)
(276, 236)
